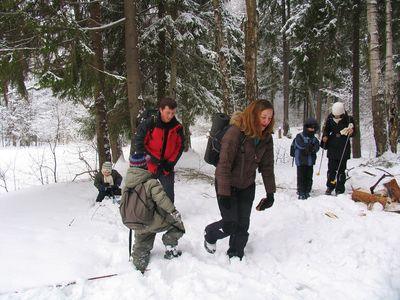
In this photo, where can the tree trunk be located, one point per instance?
(174, 62)
(223, 58)
(132, 64)
(285, 61)
(5, 92)
(250, 51)
(356, 78)
(161, 60)
(390, 98)
(116, 146)
(318, 108)
(103, 143)
(378, 107)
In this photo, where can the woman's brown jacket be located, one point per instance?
(238, 163)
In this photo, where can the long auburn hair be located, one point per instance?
(249, 120)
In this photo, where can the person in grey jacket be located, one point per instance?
(235, 175)
(166, 218)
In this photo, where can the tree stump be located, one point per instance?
(393, 190)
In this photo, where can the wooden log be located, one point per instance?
(360, 196)
(393, 190)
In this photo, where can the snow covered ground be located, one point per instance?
(54, 234)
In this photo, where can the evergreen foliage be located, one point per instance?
(49, 43)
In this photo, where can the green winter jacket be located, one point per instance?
(155, 193)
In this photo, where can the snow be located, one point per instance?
(326, 247)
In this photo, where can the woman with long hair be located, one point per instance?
(246, 146)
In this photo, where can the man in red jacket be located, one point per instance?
(162, 139)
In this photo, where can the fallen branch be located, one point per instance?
(372, 188)
(63, 285)
(360, 196)
(90, 172)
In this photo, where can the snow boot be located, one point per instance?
(210, 248)
(329, 191)
(234, 254)
(171, 252)
(302, 196)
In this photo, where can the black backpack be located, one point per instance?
(219, 125)
(147, 113)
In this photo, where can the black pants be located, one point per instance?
(235, 221)
(110, 192)
(168, 182)
(304, 179)
(333, 181)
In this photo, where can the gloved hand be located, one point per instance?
(102, 188)
(348, 130)
(167, 166)
(176, 215)
(224, 201)
(266, 202)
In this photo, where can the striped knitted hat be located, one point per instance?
(107, 166)
(138, 160)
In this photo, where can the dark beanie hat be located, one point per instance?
(138, 160)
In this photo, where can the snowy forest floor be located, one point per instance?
(55, 234)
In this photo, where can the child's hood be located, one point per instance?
(134, 176)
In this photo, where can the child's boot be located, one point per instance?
(171, 252)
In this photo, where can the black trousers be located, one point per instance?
(333, 181)
(235, 221)
(110, 192)
(168, 182)
(304, 179)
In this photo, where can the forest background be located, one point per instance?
(105, 61)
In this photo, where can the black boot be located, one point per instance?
(329, 191)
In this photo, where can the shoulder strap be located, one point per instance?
(130, 243)
(242, 140)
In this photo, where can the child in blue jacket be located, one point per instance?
(304, 149)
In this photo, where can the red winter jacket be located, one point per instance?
(164, 142)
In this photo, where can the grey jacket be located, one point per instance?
(155, 193)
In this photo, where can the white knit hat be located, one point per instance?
(338, 109)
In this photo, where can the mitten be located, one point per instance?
(102, 188)
(224, 201)
(176, 216)
(266, 202)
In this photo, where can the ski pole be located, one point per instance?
(341, 159)
(320, 163)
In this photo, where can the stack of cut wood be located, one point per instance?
(389, 198)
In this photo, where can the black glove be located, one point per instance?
(102, 188)
(266, 202)
(224, 201)
(167, 166)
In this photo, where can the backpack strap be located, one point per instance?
(242, 139)
(153, 122)
(130, 243)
